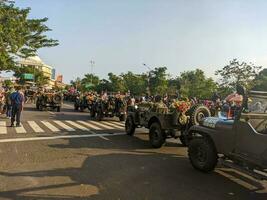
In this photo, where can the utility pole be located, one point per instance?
(92, 65)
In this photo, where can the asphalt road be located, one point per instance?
(67, 156)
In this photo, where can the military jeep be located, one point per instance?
(49, 100)
(111, 107)
(162, 122)
(239, 142)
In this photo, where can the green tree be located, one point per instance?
(19, 35)
(89, 82)
(238, 73)
(135, 83)
(77, 84)
(104, 85)
(174, 86)
(196, 84)
(158, 82)
(261, 81)
(117, 83)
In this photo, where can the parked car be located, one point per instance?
(239, 141)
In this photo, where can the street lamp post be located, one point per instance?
(92, 65)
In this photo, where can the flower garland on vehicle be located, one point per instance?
(182, 107)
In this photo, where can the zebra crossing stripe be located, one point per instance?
(91, 126)
(65, 126)
(77, 125)
(20, 129)
(102, 125)
(50, 126)
(111, 124)
(35, 127)
(119, 123)
(3, 129)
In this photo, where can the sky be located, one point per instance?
(121, 35)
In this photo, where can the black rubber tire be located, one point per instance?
(122, 117)
(130, 126)
(37, 106)
(82, 108)
(92, 113)
(99, 116)
(41, 108)
(202, 154)
(183, 140)
(58, 109)
(157, 136)
(76, 107)
(198, 112)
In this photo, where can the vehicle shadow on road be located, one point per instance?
(124, 169)
(128, 176)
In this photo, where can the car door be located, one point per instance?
(251, 137)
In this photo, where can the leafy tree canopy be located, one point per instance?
(238, 73)
(19, 35)
(196, 84)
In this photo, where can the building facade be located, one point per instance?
(37, 63)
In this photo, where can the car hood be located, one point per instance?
(217, 123)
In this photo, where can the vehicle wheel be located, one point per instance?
(156, 135)
(197, 113)
(58, 109)
(130, 126)
(183, 140)
(76, 107)
(41, 108)
(99, 116)
(122, 118)
(37, 106)
(202, 154)
(81, 108)
(92, 113)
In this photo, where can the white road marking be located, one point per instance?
(3, 129)
(119, 123)
(88, 124)
(77, 125)
(59, 137)
(35, 127)
(68, 105)
(111, 124)
(50, 126)
(104, 138)
(65, 126)
(102, 125)
(20, 129)
(52, 113)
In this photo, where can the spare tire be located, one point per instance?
(197, 113)
(57, 98)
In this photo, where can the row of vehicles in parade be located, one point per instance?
(232, 133)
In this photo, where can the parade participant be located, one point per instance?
(17, 102)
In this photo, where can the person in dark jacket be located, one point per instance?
(17, 102)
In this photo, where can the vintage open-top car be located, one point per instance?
(164, 122)
(239, 141)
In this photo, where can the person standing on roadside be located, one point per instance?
(17, 102)
(8, 102)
